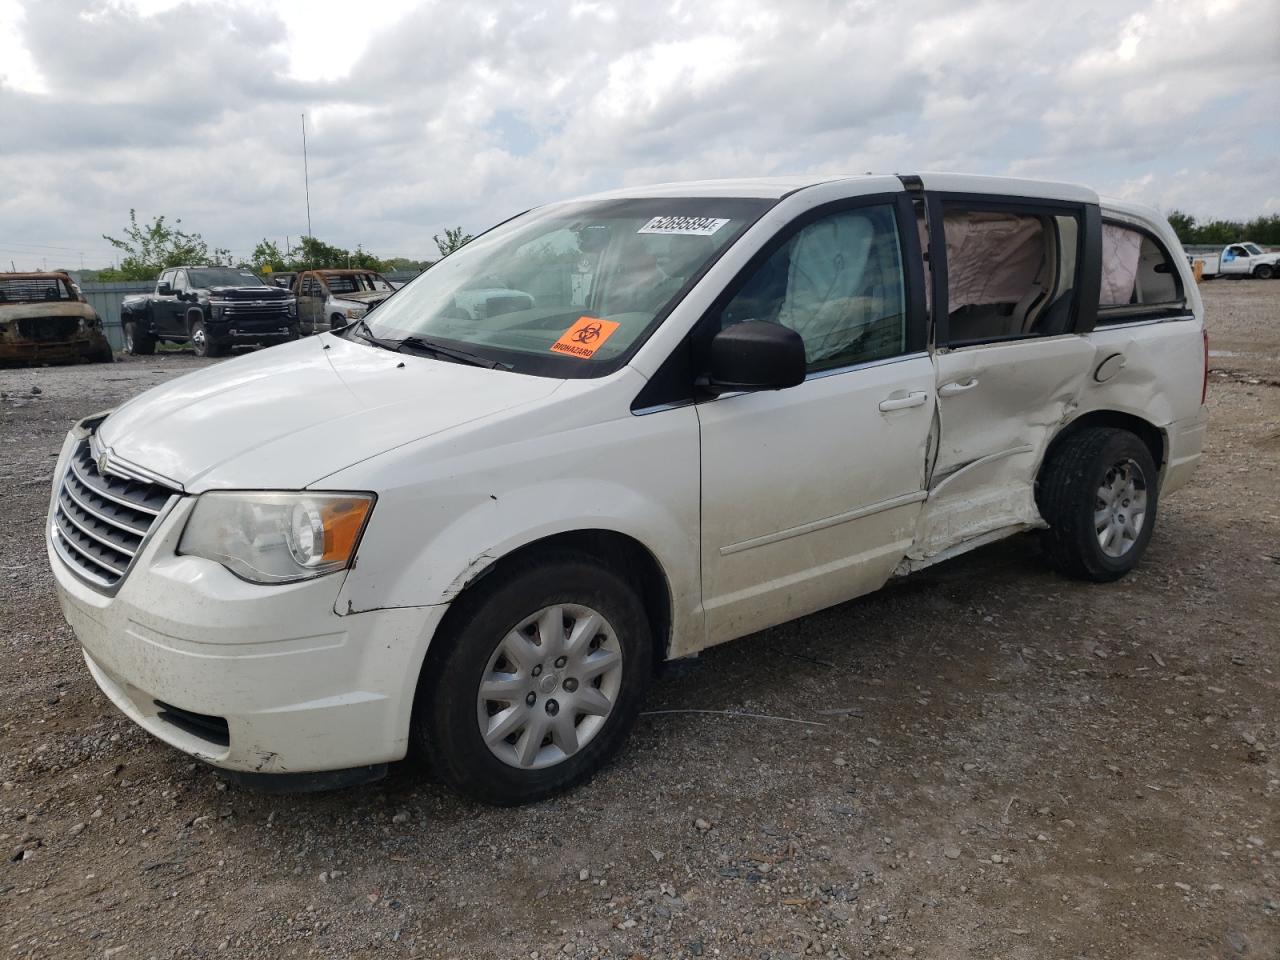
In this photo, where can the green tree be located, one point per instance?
(268, 254)
(405, 265)
(150, 248)
(1184, 225)
(454, 239)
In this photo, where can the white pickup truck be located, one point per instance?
(712, 408)
(1243, 259)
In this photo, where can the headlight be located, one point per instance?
(293, 308)
(277, 537)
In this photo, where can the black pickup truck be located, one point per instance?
(212, 308)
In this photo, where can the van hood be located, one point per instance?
(288, 416)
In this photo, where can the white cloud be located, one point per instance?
(422, 115)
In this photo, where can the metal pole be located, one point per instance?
(306, 176)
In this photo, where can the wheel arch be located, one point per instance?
(194, 315)
(619, 551)
(1146, 431)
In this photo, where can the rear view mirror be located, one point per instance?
(754, 355)
(164, 290)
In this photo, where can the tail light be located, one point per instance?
(1204, 384)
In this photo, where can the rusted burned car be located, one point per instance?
(45, 319)
(331, 299)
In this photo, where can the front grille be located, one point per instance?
(44, 329)
(242, 314)
(212, 729)
(100, 520)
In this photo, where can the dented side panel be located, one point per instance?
(999, 406)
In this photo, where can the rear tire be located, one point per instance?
(1098, 492)
(137, 343)
(535, 679)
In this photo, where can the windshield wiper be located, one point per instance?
(450, 353)
(426, 346)
(368, 336)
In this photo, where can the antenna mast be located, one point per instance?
(306, 177)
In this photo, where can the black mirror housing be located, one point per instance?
(163, 290)
(755, 355)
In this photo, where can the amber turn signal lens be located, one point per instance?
(342, 520)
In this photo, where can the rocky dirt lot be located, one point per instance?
(995, 762)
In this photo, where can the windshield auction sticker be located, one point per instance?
(585, 337)
(684, 226)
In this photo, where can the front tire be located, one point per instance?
(1098, 493)
(1264, 271)
(535, 681)
(203, 344)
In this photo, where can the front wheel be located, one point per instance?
(1264, 271)
(1098, 494)
(203, 344)
(537, 682)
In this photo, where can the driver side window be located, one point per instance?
(839, 283)
(180, 282)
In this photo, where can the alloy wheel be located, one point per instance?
(1120, 508)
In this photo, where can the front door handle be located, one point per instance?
(951, 389)
(902, 403)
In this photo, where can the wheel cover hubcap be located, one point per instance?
(1120, 508)
(549, 686)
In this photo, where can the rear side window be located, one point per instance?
(838, 282)
(1139, 278)
(1011, 274)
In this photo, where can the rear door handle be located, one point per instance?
(951, 389)
(902, 403)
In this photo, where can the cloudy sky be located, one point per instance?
(423, 115)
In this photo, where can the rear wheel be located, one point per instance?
(537, 680)
(1098, 493)
(136, 342)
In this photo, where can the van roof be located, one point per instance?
(775, 188)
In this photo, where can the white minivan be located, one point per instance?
(712, 407)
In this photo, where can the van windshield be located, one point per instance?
(567, 290)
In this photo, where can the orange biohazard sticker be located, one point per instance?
(585, 337)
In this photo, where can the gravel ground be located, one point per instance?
(1001, 763)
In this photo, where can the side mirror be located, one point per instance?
(754, 355)
(164, 290)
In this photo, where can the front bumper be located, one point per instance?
(276, 681)
(59, 351)
(253, 331)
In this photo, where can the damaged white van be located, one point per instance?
(709, 408)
